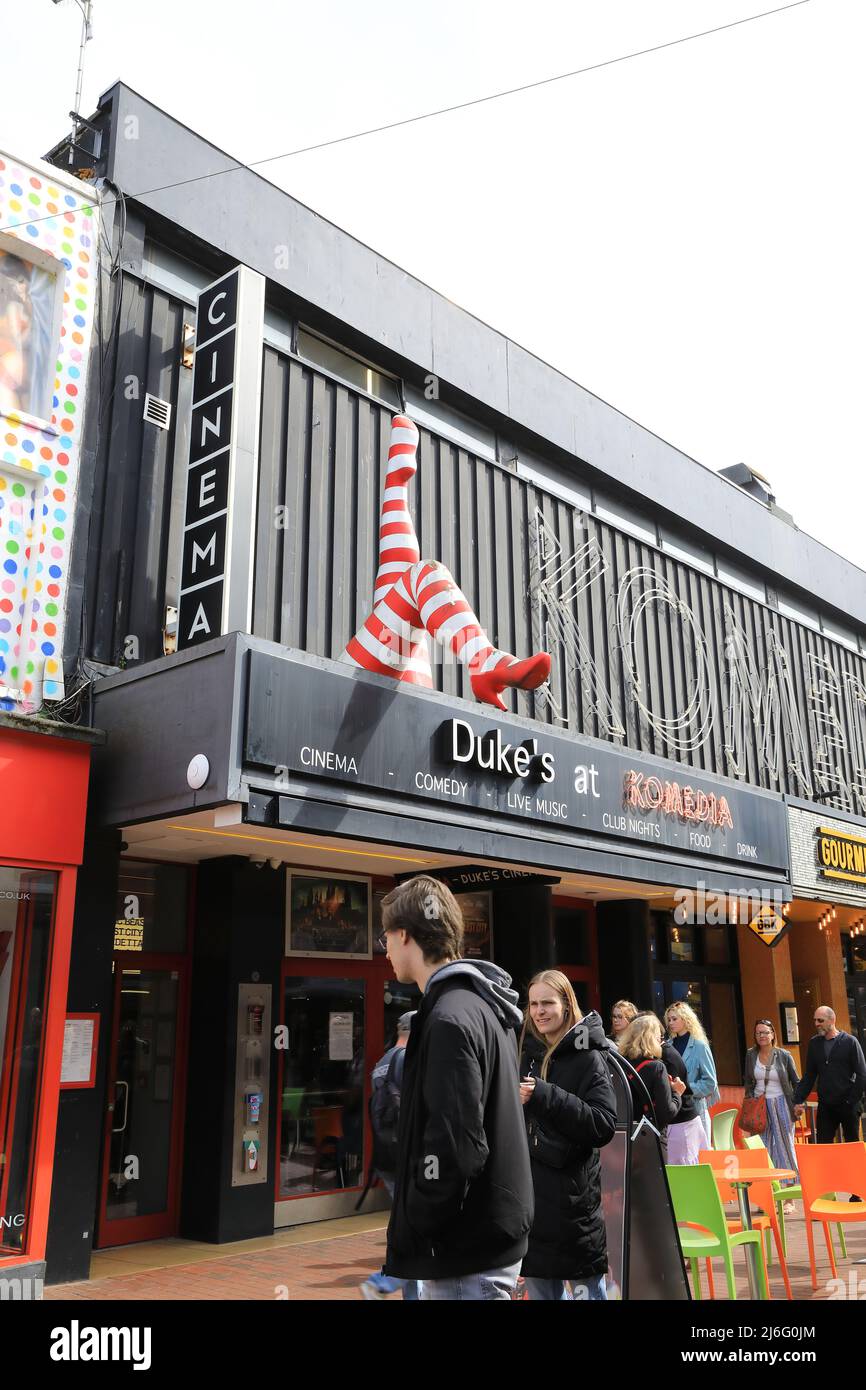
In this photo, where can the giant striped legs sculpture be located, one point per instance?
(413, 597)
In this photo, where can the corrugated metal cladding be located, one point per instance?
(323, 457)
(129, 517)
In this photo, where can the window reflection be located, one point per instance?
(322, 1129)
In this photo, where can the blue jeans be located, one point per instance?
(591, 1290)
(389, 1283)
(479, 1288)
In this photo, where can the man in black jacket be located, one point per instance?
(836, 1060)
(462, 1205)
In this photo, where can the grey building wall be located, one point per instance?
(322, 461)
(323, 455)
(164, 168)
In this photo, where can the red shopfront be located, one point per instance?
(44, 770)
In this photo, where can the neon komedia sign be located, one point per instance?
(803, 749)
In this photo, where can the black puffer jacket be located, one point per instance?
(577, 1102)
(665, 1101)
(463, 1196)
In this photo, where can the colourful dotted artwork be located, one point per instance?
(56, 217)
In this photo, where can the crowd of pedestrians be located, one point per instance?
(489, 1120)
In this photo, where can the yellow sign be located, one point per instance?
(768, 925)
(841, 856)
(129, 935)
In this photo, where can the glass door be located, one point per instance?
(323, 1084)
(141, 1162)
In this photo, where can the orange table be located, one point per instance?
(741, 1179)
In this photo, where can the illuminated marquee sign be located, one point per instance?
(841, 856)
(311, 723)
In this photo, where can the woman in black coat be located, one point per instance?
(641, 1044)
(570, 1110)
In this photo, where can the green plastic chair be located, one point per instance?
(722, 1129)
(791, 1194)
(697, 1203)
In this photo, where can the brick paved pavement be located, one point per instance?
(312, 1265)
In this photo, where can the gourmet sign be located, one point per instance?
(841, 856)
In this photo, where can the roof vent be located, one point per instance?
(157, 412)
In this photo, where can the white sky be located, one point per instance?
(682, 233)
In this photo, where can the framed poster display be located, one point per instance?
(477, 909)
(329, 915)
(252, 1085)
(790, 1025)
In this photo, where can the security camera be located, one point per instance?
(275, 863)
(258, 861)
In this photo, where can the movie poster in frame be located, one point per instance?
(477, 909)
(329, 916)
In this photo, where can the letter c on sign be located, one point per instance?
(213, 304)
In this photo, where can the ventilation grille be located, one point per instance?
(157, 412)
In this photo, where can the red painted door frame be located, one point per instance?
(48, 1082)
(375, 974)
(126, 1231)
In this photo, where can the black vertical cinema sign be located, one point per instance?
(219, 518)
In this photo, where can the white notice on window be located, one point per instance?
(77, 1049)
(340, 1030)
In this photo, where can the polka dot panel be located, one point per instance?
(39, 462)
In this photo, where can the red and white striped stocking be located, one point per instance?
(413, 596)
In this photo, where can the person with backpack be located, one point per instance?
(655, 1095)
(462, 1205)
(387, 1080)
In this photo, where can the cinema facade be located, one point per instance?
(651, 819)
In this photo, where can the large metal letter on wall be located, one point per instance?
(216, 581)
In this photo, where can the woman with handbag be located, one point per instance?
(570, 1111)
(768, 1107)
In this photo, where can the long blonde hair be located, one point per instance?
(642, 1038)
(556, 980)
(689, 1018)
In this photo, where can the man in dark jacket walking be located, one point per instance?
(836, 1061)
(462, 1205)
